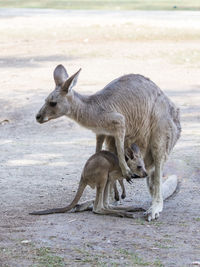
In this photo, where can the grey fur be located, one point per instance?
(130, 109)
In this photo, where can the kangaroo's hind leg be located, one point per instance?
(111, 179)
(107, 209)
(155, 187)
(100, 187)
(158, 151)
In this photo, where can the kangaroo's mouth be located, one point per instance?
(41, 120)
(135, 176)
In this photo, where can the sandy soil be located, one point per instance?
(41, 164)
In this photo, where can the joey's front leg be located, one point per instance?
(99, 142)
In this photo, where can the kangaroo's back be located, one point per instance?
(102, 159)
(143, 104)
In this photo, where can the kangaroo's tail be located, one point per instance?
(169, 186)
(64, 209)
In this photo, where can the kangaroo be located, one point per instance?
(137, 154)
(130, 109)
(116, 193)
(101, 171)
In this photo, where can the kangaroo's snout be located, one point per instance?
(38, 117)
(136, 176)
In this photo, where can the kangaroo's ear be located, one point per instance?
(128, 154)
(135, 148)
(70, 82)
(60, 75)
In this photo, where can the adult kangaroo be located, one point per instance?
(130, 109)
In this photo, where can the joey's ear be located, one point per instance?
(135, 148)
(60, 75)
(70, 82)
(128, 153)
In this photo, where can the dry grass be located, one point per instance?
(106, 4)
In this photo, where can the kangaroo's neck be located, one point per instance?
(83, 110)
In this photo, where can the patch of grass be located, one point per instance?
(167, 236)
(140, 221)
(134, 258)
(46, 257)
(105, 4)
(39, 257)
(164, 246)
(138, 260)
(156, 223)
(88, 257)
(197, 219)
(111, 264)
(158, 263)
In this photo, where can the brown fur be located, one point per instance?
(100, 171)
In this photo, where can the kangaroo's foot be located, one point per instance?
(154, 211)
(116, 195)
(85, 206)
(123, 195)
(114, 213)
(127, 208)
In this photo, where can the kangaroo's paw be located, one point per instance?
(154, 211)
(127, 173)
(85, 206)
(123, 195)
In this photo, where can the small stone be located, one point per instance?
(26, 241)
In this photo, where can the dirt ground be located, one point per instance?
(41, 164)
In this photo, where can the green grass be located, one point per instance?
(47, 258)
(137, 260)
(106, 4)
(37, 257)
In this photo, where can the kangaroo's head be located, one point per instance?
(135, 161)
(59, 102)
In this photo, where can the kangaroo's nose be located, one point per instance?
(38, 116)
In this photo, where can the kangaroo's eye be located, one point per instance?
(52, 104)
(139, 167)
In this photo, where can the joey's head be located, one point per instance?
(60, 101)
(135, 161)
